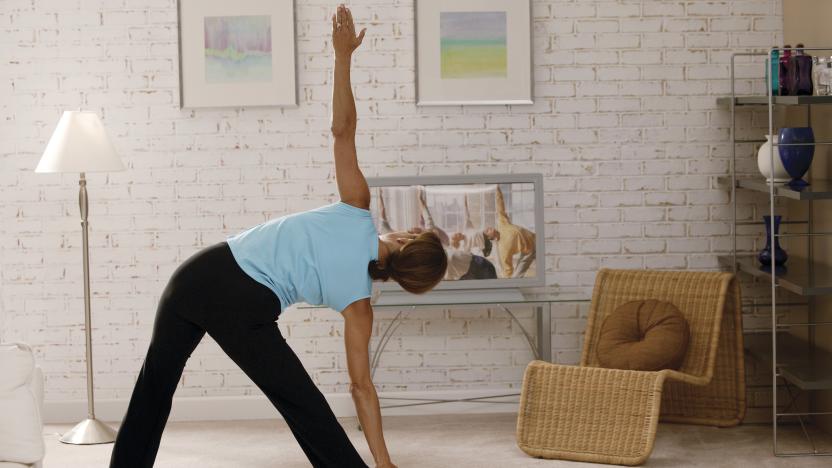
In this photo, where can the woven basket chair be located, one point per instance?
(591, 414)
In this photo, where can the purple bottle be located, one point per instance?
(800, 73)
(784, 70)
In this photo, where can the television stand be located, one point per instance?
(541, 300)
(450, 296)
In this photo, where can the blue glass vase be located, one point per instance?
(797, 159)
(780, 255)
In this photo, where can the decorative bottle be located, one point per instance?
(800, 73)
(784, 70)
(765, 255)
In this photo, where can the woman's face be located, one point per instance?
(401, 238)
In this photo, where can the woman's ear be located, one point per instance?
(402, 240)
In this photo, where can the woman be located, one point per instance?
(234, 291)
(466, 261)
(512, 239)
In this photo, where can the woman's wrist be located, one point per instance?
(381, 462)
(345, 58)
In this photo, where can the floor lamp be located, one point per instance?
(80, 144)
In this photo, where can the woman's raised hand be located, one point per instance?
(344, 39)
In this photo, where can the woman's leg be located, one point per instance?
(240, 315)
(263, 354)
(174, 338)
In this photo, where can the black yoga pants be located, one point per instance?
(210, 293)
(480, 269)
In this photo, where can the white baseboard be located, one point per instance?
(258, 407)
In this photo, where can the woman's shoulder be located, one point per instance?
(344, 208)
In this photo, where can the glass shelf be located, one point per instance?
(778, 100)
(819, 190)
(797, 362)
(798, 277)
(529, 296)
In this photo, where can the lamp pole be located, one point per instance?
(89, 431)
(83, 203)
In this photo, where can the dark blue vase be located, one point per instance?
(780, 255)
(797, 159)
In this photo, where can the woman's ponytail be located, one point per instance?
(378, 273)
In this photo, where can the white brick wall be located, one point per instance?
(625, 129)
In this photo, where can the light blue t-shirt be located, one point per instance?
(319, 257)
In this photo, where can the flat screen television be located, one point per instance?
(491, 225)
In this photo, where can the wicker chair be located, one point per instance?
(590, 414)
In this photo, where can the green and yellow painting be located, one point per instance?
(473, 44)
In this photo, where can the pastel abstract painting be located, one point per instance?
(473, 44)
(238, 49)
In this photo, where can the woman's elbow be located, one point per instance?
(338, 130)
(362, 389)
(343, 128)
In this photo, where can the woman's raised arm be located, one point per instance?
(351, 183)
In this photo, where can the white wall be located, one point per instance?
(625, 129)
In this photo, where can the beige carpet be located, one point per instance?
(485, 441)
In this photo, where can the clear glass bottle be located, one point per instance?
(818, 67)
(826, 78)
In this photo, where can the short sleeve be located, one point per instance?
(346, 208)
(354, 295)
(346, 278)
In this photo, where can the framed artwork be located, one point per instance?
(237, 54)
(474, 52)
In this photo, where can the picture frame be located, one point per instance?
(237, 54)
(474, 52)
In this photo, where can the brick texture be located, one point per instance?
(625, 129)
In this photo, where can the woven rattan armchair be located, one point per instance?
(587, 413)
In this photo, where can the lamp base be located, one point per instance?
(89, 432)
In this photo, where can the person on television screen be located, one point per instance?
(511, 240)
(427, 220)
(471, 239)
(385, 227)
(462, 263)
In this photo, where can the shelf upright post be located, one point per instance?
(770, 92)
(733, 164)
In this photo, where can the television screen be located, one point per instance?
(490, 228)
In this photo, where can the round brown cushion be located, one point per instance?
(643, 335)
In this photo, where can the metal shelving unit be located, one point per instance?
(796, 364)
(819, 190)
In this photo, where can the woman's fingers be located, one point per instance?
(334, 24)
(361, 36)
(350, 22)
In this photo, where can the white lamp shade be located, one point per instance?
(80, 144)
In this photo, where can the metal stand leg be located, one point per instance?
(535, 349)
(544, 332)
(385, 338)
